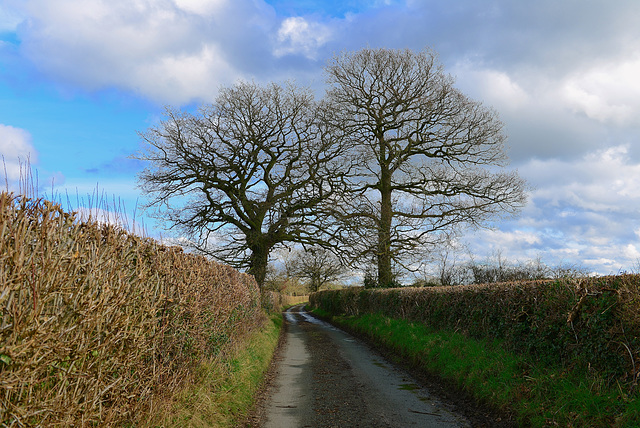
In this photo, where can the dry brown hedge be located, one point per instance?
(97, 324)
(591, 324)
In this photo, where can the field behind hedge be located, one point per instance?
(590, 325)
(97, 325)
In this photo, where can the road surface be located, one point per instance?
(327, 378)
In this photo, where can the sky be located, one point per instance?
(79, 80)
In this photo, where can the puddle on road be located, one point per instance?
(416, 389)
(310, 318)
(408, 387)
(428, 400)
(291, 317)
(307, 317)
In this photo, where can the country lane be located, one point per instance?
(327, 378)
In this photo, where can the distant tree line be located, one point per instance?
(390, 163)
(495, 268)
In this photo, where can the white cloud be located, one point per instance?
(186, 76)
(538, 121)
(9, 19)
(607, 93)
(515, 243)
(201, 7)
(581, 212)
(16, 151)
(173, 51)
(494, 87)
(296, 35)
(631, 252)
(602, 181)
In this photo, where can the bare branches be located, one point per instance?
(429, 156)
(318, 265)
(394, 159)
(248, 172)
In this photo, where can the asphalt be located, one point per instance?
(325, 377)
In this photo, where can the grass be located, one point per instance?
(224, 389)
(538, 395)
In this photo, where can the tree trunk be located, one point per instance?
(385, 275)
(315, 283)
(259, 260)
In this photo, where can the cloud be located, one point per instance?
(9, 19)
(18, 158)
(538, 121)
(516, 242)
(178, 51)
(602, 181)
(186, 76)
(296, 35)
(563, 80)
(201, 7)
(608, 93)
(581, 212)
(549, 36)
(171, 51)
(495, 87)
(17, 152)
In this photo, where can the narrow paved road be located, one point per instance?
(327, 378)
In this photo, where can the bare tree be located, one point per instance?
(318, 265)
(245, 174)
(498, 269)
(450, 271)
(430, 158)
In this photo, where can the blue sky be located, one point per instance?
(78, 80)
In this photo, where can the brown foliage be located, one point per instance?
(96, 324)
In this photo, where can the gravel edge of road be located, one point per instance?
(257, 413)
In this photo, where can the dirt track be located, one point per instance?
(326, 378)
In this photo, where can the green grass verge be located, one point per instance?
(538, 395)
(224, 389)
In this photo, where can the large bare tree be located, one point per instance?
(431, 159)
(245, 174)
